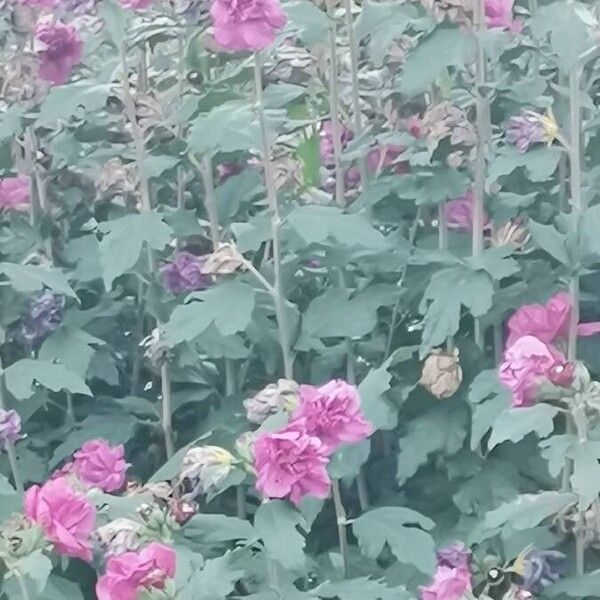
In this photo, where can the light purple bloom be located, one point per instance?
(542, 568)
(524, 131)
(185, 273)
(61, 50)
(10, 427)
(45, 315)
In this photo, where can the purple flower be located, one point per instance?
(541, 569)
(246, 24)
(10, 427)
(45, 316)
(61, 50)
(185, 274)
(525, 130)
(326, 142)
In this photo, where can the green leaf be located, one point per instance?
(32, 278)
(215, 528)
(361, 588)
(441, 184)
(443, 48)
(124, 239)
(116, 22)
(348, 459)
(375, 406)
(528, 510)
(307, 20)
(409, 544)
(21, 376)
(515, 423)
(550, 240)
(309, 155)
(237, 192)
(576, 587)
(585, 480)
(229, 306)
(590, 224)
(59, 588)
(217, 579)
(154, 166)
(275, 522)
(540, 163)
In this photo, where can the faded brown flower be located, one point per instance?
(282, 395)
(456, 11)
(225, 260)
(442, 374)
(512, 233)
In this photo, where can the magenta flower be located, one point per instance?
(246, 24)
(332, 413)
(98, 464)
(39, 3)
(499, 15)
(527, 364)
(10, 427)
(459, 213)
(326, 149)
(454, 555)
(546, 322)
(61, 50)
(185, 273)
(291, 463)
(525, 130)
(135, 4)
(449, 583)
(414, 126)
(384, 157)
(129, 573)
(65, 516)
(15, 193)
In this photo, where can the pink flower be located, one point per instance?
(246, 24)
(454, 555)
(414, 126)
(61, 50)
(291, 463)
(449, 583)
(98, 464)
(326, 148)
(459, 213)
(136, 4)
(65, 516)
(332, 413)
(499, 15)
(382, 157)
(14, 193)
(127, 573)
(546, 322)
(527, 363)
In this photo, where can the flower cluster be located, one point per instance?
(293, 462)
(530, 358)
(452, 578)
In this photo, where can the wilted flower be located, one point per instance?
(61, 49)
(291, 463)
(45, 315)
(98, 464)
(456, 11)
(332, 413)
(282, 395)
(499, 15)
(454, 555)
(186, 273)
(512, 233)
(116, 178)
(128, 573)
(15, 193)
(227, 170)
(205, 468)
(65, 516)
(246, 24)
(20, 537)
(384, 157)
(10, 427)
(244, 445)
(528, 362)
(40, 3)
(541, 568)
(182, 509)
(444, 121)
(442, 373)
(118, 536)
(326, 145)
(225, 260)
(414, 126)
(136, 4)
(459, 213)
(525, 130)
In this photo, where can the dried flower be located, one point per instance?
(246, 25)
(61, 49)
(326, 145)
(454, 555)
(182, 510)
(10, 427)
(512, 233)
(276, 397)
(442, 373)
(186, 273)
(225, 260)
(386, 157)
(116, 178)
(205, 468)
(541, 569)
(118, 536)
(456, 11)
(525, 130)
(45, 316)
(14, 193)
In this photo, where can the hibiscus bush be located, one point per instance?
(299, 299)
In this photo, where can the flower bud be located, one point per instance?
(205, 468)
(282, 395)
(442, 374)
(225, 260)
(120, 535)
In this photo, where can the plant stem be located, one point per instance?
(342, 521)
(240, 501)
(210, 200)
(22, 585)
(180, 84)
(278, 298)
(167, 410)
(482, 132)
(70, 410)
(9, 445)
(334, 101)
